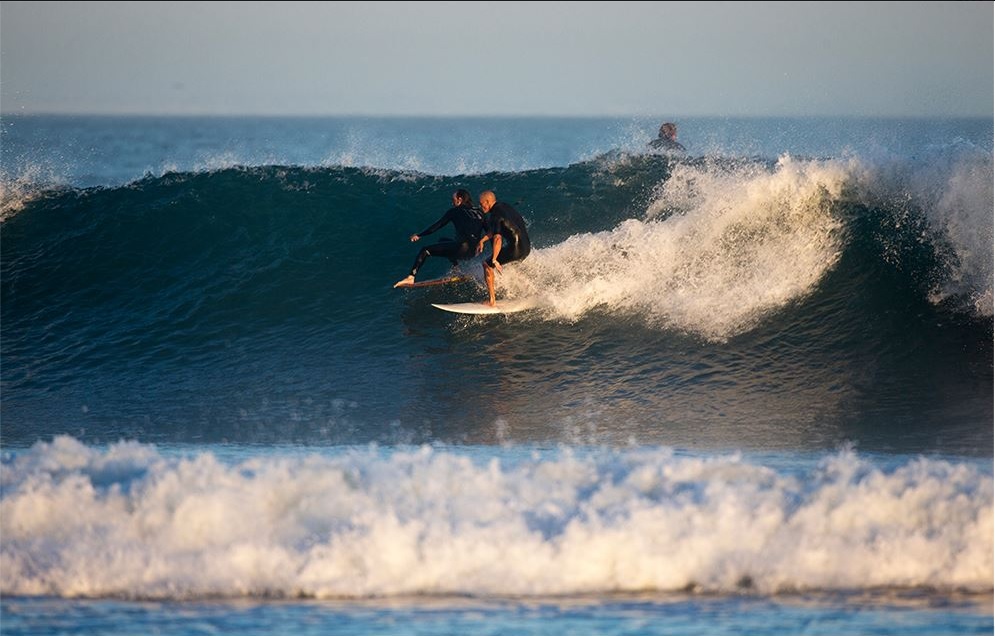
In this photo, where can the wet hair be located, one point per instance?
(463, 197)
(668, 130)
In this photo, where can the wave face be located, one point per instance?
(128, 521)
(848, 297)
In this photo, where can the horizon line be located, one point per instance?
(46, 113)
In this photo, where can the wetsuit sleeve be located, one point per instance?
(435, 227)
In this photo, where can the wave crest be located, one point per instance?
(127, 521)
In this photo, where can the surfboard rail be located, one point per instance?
(509, 306)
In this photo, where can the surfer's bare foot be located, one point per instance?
(406, 281)
(489, 303)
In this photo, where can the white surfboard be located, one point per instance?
(502, 307)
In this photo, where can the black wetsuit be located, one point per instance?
(506, 221)
(468, 221)
(667, 145)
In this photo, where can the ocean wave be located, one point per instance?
(836, 278)
(129, 521)
(714, 248)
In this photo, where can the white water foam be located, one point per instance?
(128, 521)
(723, 245)
(952, 187)
(719, 248)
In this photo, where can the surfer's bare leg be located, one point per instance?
(489, 279)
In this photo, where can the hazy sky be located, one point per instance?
(497, 58)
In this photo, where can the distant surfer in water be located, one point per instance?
(506, 227)
(666, 141)
(468, 221)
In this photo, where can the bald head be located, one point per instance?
(487, 200)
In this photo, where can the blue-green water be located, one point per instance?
(655, 448)
(677, 615)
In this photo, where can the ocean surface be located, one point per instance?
(755, 396)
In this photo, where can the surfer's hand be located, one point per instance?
(414, 237)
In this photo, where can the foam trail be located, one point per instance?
(720, 248)
(128, 521)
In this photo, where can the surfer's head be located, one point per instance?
(668, 131)
(487, 200)
(462, 198)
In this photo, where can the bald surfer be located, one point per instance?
(506, 228)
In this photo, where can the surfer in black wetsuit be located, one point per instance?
(468, 221)
(506, 227)
(666, 142)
